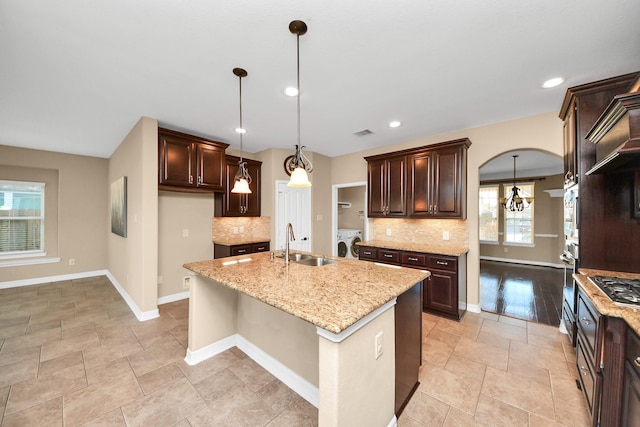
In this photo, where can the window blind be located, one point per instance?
(21, 217)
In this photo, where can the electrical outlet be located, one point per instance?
(186, 281)
(72, 261)
(506, 250)
(241, 229)
(235, 230)
(388, 232)
(185, 232)
(160, 280)
(445, 235)
(379, 345)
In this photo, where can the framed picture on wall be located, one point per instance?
(119, 206)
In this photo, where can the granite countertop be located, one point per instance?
(431, 248)
(332, 297)
(602, 303)
(240, 240)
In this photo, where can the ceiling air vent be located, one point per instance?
(363, 132)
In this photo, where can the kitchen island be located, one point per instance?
(328, 332)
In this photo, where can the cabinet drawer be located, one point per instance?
(368, 253)
(442, 262)
(587, 378)
(587, 322)
(240, 250)
(414, 259)
(260, 247)
(632, 351)
(389, 256)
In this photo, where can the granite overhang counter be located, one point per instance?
(332, 297)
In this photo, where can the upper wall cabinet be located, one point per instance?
(424, 182)
(234, 204)
(387, 186)
(190, 163)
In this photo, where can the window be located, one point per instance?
(21, 219)
(518, 226)
(488, 208)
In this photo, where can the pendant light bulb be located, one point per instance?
(242, 178)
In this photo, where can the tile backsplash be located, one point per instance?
(229, 227)
(421, 231)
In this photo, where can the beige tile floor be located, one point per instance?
(72, 353)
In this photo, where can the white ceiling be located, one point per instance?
(76, 75)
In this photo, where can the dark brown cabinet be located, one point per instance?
(437, 180)
(189, 163)
(233, 204)
(631, 390)
(588, 351)
(423, 182)
(222, 251)
(570, 146)
(408, 342)
(445, 291)
(386, 178)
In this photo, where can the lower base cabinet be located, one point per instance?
(631, 389)
(222, 251)
(445, 291)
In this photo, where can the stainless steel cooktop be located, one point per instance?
(619, 290)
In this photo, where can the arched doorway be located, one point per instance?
(520, 270)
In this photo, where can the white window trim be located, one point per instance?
(523, 245)
(28, 261)
(18, 256)
(489, 242)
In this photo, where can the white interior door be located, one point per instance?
(293, 205)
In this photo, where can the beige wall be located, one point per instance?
(77, 186)
(543, 132)
(133, 260)
(178, 212)
(547, 228)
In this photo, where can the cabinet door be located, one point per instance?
(420, 185)
(176, 161)
(631, 397)
(396, 186)
(376, 180)
(260, 247)
(570, 147)
(240, 249)
(447, 183)
(252, 201)
(441, 292)
(210, 167)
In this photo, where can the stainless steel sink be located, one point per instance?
(316, 261)
(300, 257)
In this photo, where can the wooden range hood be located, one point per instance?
(617, 136)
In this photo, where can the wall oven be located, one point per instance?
(571, 259)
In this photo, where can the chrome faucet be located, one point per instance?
(288, 236)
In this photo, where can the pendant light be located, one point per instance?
(242, 178)
(298, 164)
(515, 202)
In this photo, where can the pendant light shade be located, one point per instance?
(298, 164)
(515, 202)
(242, 178)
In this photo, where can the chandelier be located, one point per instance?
(515, 202)
(242, 178)
(298, 165)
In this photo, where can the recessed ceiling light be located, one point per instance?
(240, 130)
(556, 81)
(291, 91)
(394, 124)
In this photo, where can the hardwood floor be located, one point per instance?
(522, 291)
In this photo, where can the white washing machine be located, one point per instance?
(347, 242)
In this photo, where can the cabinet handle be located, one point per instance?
(388, 256)
(585, 321)
(190, 179)
(241, 251)
(637, 362)
(367, 252)
(413, 259)
(199, 179)
(584, 370)
(442, 263)
(435, 208)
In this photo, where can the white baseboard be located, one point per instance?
(393, 422)
(522, 261)
(140, 315)
(48, 279)
(172, 298)
(295, 382)
(474, 308)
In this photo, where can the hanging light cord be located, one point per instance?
(241, 128)
(299, 147)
